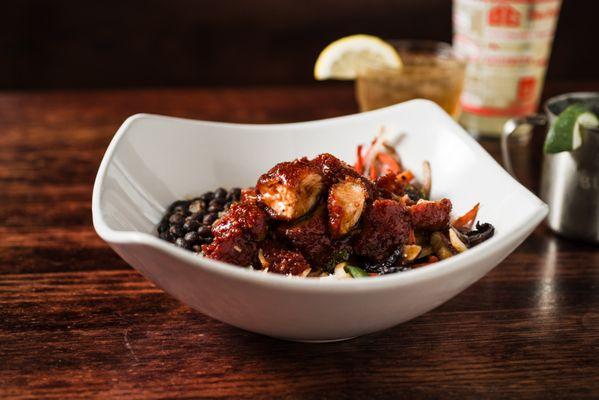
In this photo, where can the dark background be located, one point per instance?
(47, 44)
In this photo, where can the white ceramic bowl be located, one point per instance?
(154, 160)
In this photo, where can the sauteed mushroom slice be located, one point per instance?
(346, 203)
(290, 189)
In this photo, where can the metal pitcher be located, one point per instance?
(569, 180)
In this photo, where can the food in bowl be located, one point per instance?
(320, 217)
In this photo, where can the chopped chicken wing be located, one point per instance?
(430, 215)
(346, 203)
(248, 194)
(333, 169)
(234, 248)
(236, 234)
(290, 189)
(391, 183)
(310, 236)
(386, 226)
(280, 260)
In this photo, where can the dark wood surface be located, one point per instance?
(77, 322)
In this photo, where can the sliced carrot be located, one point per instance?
(388, 161)
(373, 173)
(406, 176)
(372, 144)
(466, 220)
(373, 274)
(412, 237)
(359, 166)
(432, 259)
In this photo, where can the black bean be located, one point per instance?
(210, 218)
(182, 243)
(178, 206)
(220, 193)
(187, 223)
(163, 227)
(175, 230)
(196, 206)
(204, 231)
(165, 236)
(191, 237)
(215, 209)
(191, 225)
(236, 193)
(217, 202)
(199, 216)
(207, 196)
(176, 218)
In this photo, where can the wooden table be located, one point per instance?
(77, 322)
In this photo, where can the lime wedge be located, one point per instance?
(566, 132)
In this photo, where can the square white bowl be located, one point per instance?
(154, 160)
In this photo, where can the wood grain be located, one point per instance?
(77, 322)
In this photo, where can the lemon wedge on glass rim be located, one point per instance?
(345, 58)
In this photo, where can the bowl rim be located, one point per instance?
(439, 269)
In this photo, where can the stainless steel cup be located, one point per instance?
(569, 180)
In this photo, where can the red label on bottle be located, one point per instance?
(526, 88)
(504, 15)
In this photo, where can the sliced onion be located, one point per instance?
(262, 259)
(456, 242)
(306, 272)
(439, 245)
(427, 178)
(340, 272)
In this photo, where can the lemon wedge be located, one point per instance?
(346, 57)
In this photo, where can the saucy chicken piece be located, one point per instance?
(280, 260)
(346, 203)
(310, 237)
(236, 234)
(248, 194)
(333, 169)
(290, 189)
(391, 183)
(430, 215)
(386, 226)
(233, 248)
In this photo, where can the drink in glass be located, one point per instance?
(430, 71)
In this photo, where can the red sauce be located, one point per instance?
(236, 233)
(284, 261)
(430, 215)
(386, 226)
(310, 237)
